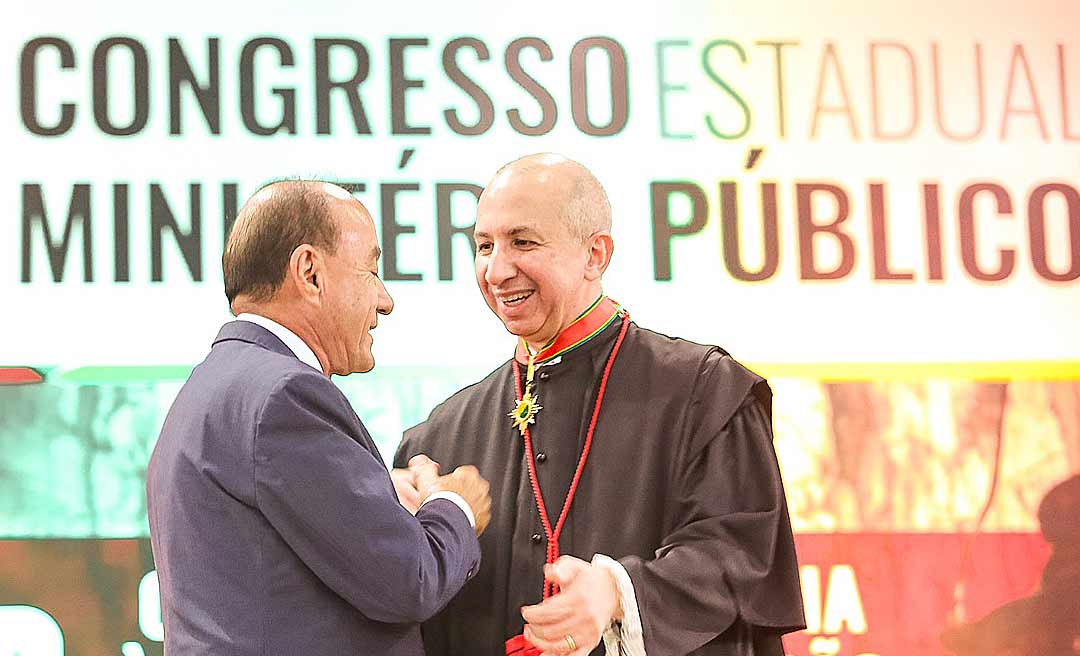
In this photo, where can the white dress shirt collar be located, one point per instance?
(301, 350)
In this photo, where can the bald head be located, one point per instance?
(272, 224)
(578, 195)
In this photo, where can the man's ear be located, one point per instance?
(305, 272)
(600, 247)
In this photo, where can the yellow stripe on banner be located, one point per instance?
(916, 371)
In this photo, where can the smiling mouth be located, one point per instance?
(516, 299)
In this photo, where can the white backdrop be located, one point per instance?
(1029, 136)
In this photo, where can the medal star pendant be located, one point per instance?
(525, 410)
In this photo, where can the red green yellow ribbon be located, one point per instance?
(589, 323)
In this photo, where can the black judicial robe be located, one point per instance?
(682, 487)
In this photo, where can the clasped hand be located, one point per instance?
(421, 480)
(587, 602)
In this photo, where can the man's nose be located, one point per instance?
(500, 267)
(386, 302)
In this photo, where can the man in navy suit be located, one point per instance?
(275, 525)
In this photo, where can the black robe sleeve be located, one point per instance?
(726, 570)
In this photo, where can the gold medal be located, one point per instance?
(525, 410)
(527, 406)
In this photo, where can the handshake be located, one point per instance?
(415, 484)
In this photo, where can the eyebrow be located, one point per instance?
(376, 252)
(512, 232)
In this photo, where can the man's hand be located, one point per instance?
(405, 486)
(465, 481)
(588, 600)
(407, 481)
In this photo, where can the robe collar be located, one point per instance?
(580, 332)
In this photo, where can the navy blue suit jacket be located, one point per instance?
(274, 522)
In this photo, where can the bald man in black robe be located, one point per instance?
(676, 537)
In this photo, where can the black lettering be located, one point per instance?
(484, 108)
(230, 207)
(121, 232)
(28, 86)
(444, 193)
(549, 112)
(208, 95)
(140, 85)
(399, 84)
(391, 229)
(618, 92)
(350, 86)
(78, 212)
(664, 230)
(162, 219)
(247, 88)
(729, 214)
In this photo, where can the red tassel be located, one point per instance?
(519, 646)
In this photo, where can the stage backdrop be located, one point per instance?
(876, 206)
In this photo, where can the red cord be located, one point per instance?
(553, 536)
